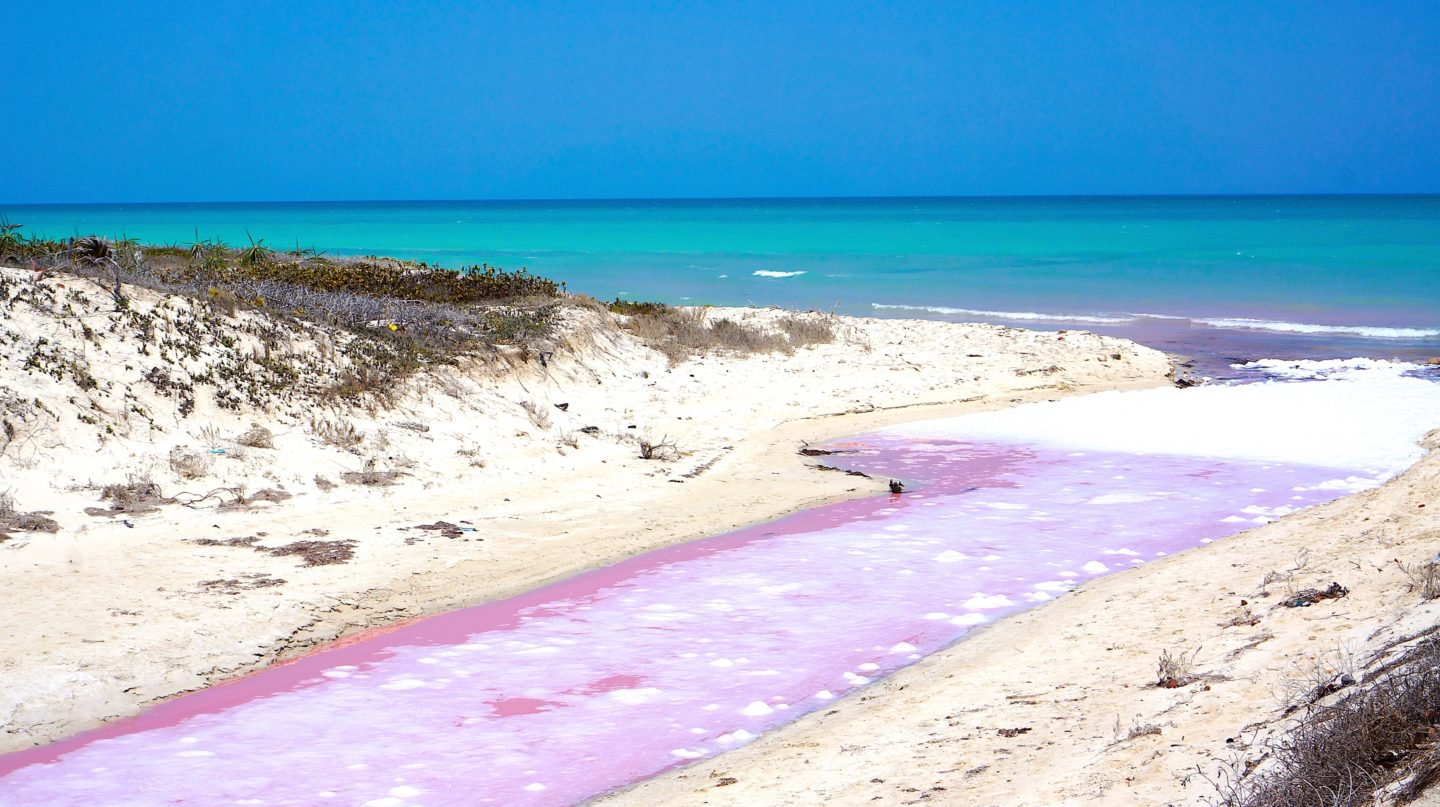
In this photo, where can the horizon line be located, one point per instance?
(652, 199)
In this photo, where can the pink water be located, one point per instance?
(616, 675)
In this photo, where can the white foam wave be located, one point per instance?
(1024, 316)
(773, 273)
(1364, 419)
(1327, 368)
(1365, 331)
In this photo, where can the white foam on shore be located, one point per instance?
(773, 273)
(1228, 323)
(1366, 418)
(1280, 326)
(1022, 316)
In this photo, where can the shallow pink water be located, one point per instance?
(613, 676)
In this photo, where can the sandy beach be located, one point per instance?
(119, 610)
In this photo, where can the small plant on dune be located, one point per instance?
(539, 417)
(1422, 577)
(1175, 669)
(663, 449)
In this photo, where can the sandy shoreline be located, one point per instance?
(115, 612)
(1058, 704)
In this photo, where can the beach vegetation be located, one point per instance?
(680, 333)
(399, 316)
(1352, 744)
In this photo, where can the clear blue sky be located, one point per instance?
(145, 101)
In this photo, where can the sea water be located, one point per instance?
(618, 674)
(1224, 278)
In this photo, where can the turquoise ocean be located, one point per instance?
(1219, 277)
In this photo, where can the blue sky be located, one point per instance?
(385, 100)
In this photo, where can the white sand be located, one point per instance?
(103, 618)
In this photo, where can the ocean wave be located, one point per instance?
(1365, 331)
(773, 273)
(1024, 316)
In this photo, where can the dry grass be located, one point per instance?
(188, 463)
(680, 333)
(539, 417)
(256, 436)
(1175, 669)
(1422, 577)
(336, 432)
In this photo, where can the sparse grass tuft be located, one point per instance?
(336, 432)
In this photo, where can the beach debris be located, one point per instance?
(589, 429)
(446, 529)
(1308, 597)
(136, 496)
(807, 451)
(12, 519)
(896, 486)
(245, 582)
(314, 553)
(846, 472)
(1016, 732)
(563, 407)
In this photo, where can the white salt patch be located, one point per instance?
(1232, 520)
(934, 615)
(388, 801)
(634, 696)
(868, 666)
(535, 787)
(697, 730)
(686, 753)
(949, 556)
(196, 753)
(757, 709)
(188, 740)
(404, 791)
(722, 663)
(903, 647)
(855, 680)
(1053, 585)
(1384, 415)
(1005, 506)
(403, 683)
(428, 660)
(1095, 567)
(1037, 596)
(825, 695)
(1123, 498)
(1121, 552)
(966, 620)
(336, 673)
(981, 602)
